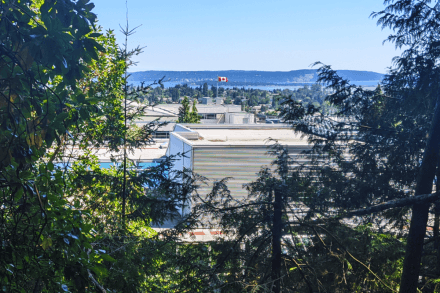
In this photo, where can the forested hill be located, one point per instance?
(241, 77)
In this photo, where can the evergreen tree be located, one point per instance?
(236, 98)
(416, 79)
(195, 118)
(392, 138)
(214, 90)
(184, 111)
(187, 116)
(205, 90)
(175, 94)
(253, 101)
(271, 243)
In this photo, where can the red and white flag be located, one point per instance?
(225, 79)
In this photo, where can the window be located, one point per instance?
(161, 134)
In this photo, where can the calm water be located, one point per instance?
(368, 83)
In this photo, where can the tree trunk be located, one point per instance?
(437, 218)
(436, 234)
(276, 242)
(417, 231)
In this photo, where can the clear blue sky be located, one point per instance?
(276, 35)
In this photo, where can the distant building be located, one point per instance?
(209, 101)
(206, 100)
(209, 113)
(239, 118)
(256, 109)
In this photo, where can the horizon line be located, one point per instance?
(252, 70)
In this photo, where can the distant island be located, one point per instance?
(252, 78)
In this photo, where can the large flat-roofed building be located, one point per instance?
(238, 151)
(209, 114)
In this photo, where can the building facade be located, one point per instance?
(235, 151)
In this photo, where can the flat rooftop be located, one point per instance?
(246, 137)
(150, 153)
(201, 108)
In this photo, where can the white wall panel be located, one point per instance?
(176, 147)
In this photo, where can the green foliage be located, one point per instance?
(46, 48)
(184, 111)
(326, 256)
(195, 118)
(205, 90)
(62, 93)
(308, 94)
(83, 228)
(228, 101)
(186, 115)
(272, 113)
(390, 135)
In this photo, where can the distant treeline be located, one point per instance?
(313, 94)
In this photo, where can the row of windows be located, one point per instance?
(208, 116)
(161, 134)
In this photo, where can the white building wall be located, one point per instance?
(239, 118)
(181, 152)
(182, 157)
(176, 147)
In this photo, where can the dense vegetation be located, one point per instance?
(66, 223)
(248, 97)
(335, 222)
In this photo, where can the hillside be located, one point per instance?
(241, 77)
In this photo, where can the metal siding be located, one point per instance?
(241, 163)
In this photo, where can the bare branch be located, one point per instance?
(397, 203)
